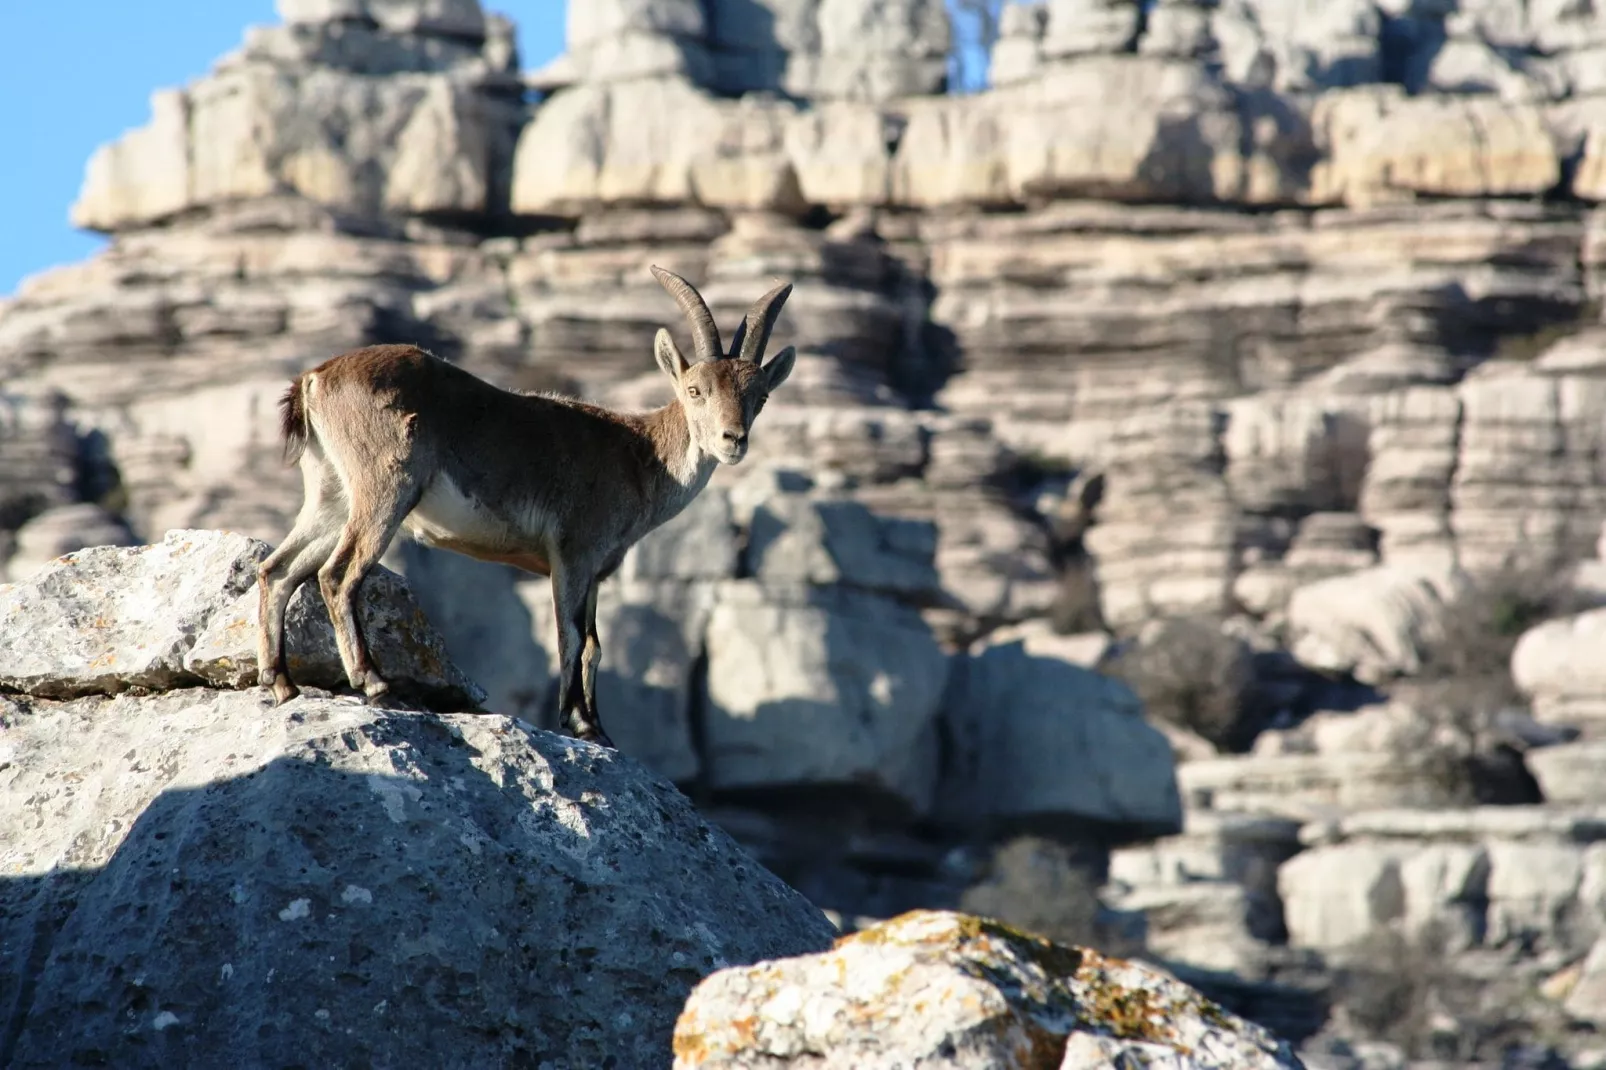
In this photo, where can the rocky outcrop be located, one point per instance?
(183, 613)
(1244, 319)
(1554, 664)
(387, 885)
(835, 50)
(941, 989)
(1013, 717)
(1209, 895)
(371, 109)
(1511, 876)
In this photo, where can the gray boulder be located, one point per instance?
(1039, 739)
(821, 686)
(195, 878)
(183, 612)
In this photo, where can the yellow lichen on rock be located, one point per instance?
(937, 988)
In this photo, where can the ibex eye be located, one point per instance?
(693, 392)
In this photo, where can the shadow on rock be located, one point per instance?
(395, 890)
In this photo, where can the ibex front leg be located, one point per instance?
(572, 593)
(591, 655)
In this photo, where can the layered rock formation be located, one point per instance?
(1275, 322)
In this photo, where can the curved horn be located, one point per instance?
(754, 333)
(704, 331)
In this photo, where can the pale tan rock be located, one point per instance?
(145, 175)
(1556, 663)
(935, 988)
(182, 612)
(1307, 785)
(1380, 146)
(1375, 624)
(745, 166)
(824, 686)
(1589, 178)
(1299, 47)
(953, 151)
(1084, 27)
(460, 18)
(1534, 866)
(442, 159)
(1570, 773)
(1013, 719)
(839, 152)
(265, 123)
(632, 142)
(1338, 895)
(1018, 53)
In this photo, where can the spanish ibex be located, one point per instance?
(390, 435)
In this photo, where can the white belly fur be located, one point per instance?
(446, 513)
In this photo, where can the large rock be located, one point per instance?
(1377, 623)
(183, 612)
(297, 109)
(938, 989)
(1587, 1000)
(1381, 146)
(197, 878)
(1175, 136)
(821, 686)
(1035, 739)
(1512, 876)
(1570, 773)
(1526, 493)
(867, 50)
(1556, 664)
(1207, 897)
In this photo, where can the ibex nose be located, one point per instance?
(734, 437)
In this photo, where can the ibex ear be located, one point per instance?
(668, 354)
(779, 367)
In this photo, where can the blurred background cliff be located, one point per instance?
(1183, 532)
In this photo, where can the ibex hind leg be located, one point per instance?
(377, 511)
(293, 563)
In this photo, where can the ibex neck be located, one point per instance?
(687, 465)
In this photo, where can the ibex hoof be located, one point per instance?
(593, 734)
(283, 689)
(375, 688)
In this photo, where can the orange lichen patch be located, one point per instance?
(690, 1042)
(746, 1029)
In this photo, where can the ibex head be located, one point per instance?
(722, 392)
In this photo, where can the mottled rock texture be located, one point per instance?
(940, 989)
(195, 878)
(190, 875)
(184, 612)
(1267, 320)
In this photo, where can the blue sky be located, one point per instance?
(76, 73)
